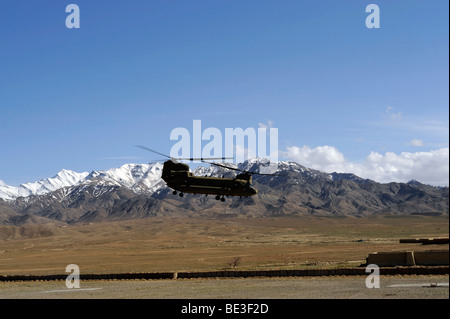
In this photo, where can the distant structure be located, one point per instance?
(412, 258)
(426, 241)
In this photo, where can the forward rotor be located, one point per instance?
(176, 160)
(241, 170)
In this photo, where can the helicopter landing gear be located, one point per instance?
(222, 199)
(217, 197)
(180, 194)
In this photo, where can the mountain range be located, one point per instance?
(137, 191)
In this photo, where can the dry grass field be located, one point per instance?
(203, 244)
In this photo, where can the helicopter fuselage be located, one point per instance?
(178, 177)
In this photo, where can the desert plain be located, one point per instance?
(169, 244)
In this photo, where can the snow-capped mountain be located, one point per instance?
(7, 192)
(146, 178)
(137, 191)
(137, 177)
(140, 178)
(63, 179)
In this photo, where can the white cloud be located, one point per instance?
(427, 167)
(415, 142)
(325, 158)
(391, 115)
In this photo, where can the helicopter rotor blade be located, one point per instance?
(158, 160)
(240, 170)
(274, 174)
(153, 151)
(202, 158)
(182, 159)
(227, 167)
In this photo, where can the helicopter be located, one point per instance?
(178, 177)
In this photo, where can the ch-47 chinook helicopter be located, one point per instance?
(178, 177)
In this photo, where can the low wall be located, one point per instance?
(409, 258)
(426, 241)
(353, 271)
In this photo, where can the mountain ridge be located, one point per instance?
(137, 191)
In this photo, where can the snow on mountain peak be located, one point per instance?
(62, 179)
(134, 176)
(6, 191)
(138, 177)
(69, 177)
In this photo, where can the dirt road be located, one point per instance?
(334, 287)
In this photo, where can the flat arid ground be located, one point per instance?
(328, 287)
(196, 244)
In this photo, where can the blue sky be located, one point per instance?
(340, 94)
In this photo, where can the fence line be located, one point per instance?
(353, 271)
